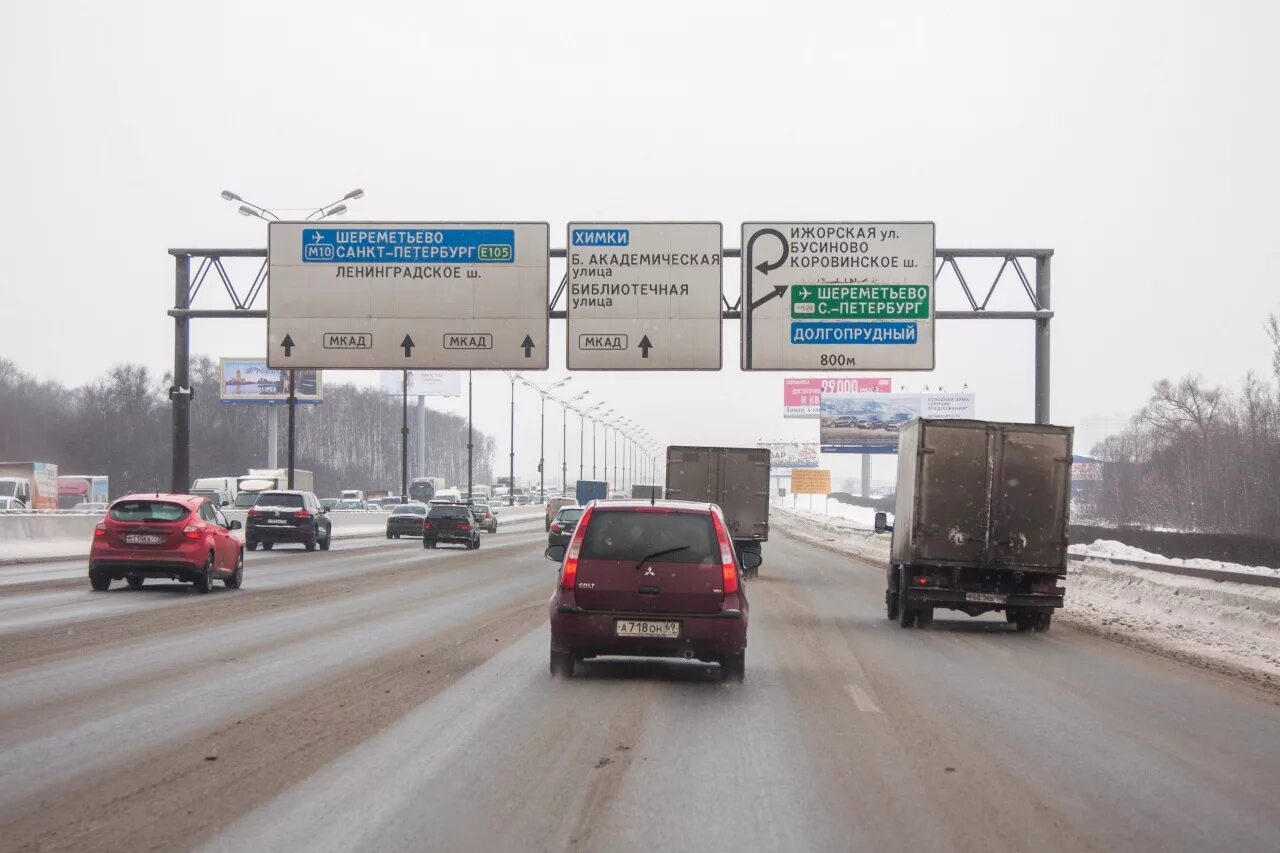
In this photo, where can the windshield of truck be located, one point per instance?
(280, 499)
(632, 536)
(148, 511)
(8, 488)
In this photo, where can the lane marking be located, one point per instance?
(862, 699)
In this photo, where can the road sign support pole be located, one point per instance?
(866, 475)
(404, 435)
(542, 447)
(564, 449)
(582, 433)
(293, 410)
(470, 439)
(273, 436)
(604, 467)
(420, 457)
(1042, 339)
(180, 391)
(511, 489)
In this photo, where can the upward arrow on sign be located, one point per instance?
(645, 346)
(288, 345)
(408, 345)
(527, 344)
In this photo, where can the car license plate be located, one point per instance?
(641, 628)
(143, 539)
(988, 597)
(276, 521)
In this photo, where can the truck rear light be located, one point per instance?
(922, 581)
(728, 568)
(193, 531)
(569, 570)
(100, 529)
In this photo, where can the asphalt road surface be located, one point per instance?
(383, 697)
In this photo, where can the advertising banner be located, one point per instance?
(791, 454)
(802, 397)
(423, 383)
(249, 380)
(869, 423)
(811, 481)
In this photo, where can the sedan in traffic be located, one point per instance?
(561, 528)
(181, 537)
(650, 579)
(406, 520)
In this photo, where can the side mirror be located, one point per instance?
(555, 553)
(751, 559)
(882, 523)
(324, 510)
(235, 524)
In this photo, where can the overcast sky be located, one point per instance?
(1137, 140)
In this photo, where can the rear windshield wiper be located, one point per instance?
(661, 554)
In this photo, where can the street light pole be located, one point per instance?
(511, 488)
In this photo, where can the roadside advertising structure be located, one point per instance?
(399, 295)
(807, 481)
(423, 383)
(249, 380)
(837, 296)
(869, 423)
(802, 396)
(644, 295)
(791, 454)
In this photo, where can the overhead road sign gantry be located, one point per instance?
(394, 295)
(644, 295)
(837, 295)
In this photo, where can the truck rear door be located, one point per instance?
(744, 492)
(1032, 482)
(952, 509)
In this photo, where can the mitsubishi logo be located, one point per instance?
(648, 572)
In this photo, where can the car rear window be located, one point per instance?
(280, 499)
(570, 514)
(614, 535)
(409, 510)
(448, 512)
(151, 511)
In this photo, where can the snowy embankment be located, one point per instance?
(1226, 626)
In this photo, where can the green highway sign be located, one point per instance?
(859, 299)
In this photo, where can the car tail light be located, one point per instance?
(100, 529)
(255, 513)
(569, 571)
(302, 515)
(426, 525)
(728, 568)
(193, 531)
(464, 526)
(660, 509)
(555, 528)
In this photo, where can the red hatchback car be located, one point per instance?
(184, 537)
(650, 579)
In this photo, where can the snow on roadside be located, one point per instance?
(1223, 626)
(1112, 550)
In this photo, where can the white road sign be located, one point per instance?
(837, 295)
(644, 295)
(408, 295)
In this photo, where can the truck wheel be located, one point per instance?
(924, 618)
(1024, 621)
(906, 618)
(891, 597)
(1043, 622)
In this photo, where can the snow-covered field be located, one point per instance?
(1111, 550)
(1229, 627)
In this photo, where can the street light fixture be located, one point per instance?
(333, 208)
(543, 393)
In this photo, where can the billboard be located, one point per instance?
(249, 380)
(801, 397)
(791, 454)
(423, 383)
(811, 482)
(869, 423)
